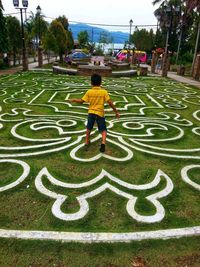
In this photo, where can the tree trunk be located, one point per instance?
(14, 57)
(61, 57)
(196, 48)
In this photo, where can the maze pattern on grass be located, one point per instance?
(160, 121)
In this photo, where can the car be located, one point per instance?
(141, 56)
(77, 56)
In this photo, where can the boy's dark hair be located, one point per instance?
(96, 79)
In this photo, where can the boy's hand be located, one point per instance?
(75, 100)
(117, 115)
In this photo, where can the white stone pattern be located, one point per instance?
(137, 130)
(82, 199)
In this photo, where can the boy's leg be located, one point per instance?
(104, 134)
(90, 124)
(103, 142)
(87, 139)
(102, 128)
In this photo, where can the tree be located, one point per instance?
(3, 32)
(64, 22)
(1, 6)
(70, 41)
(14, 36)
(35, 28)
(83, 39)
(49, 43)
(30, 36)
(39, 27)
(191, 6)
(169, 15)
(159, 40)
(143, 39)
(182, 23)
(60, 35)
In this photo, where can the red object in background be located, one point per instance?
(160, 50)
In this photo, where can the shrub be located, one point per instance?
(186, 58)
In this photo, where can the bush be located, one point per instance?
(186, 58)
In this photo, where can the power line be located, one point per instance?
(114, 25)
(100, 24)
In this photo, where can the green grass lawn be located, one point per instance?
(152, 152)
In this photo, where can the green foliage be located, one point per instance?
(64, 21)
(98, 50)
(159, 40)
(182, 23)
(49, 42)
(60, 35)
(70, 41)
(14, 36)
(186, 58)
(39, 27)
(3, 34)
(143, 39)
(1, 6)
(83, 39)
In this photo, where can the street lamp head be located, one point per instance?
(38, 10)
(131, 21)
(16, 3)
(25, 3)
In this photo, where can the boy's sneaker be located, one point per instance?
(102, 148)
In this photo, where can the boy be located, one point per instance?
(96, 97)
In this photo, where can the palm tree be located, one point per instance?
(192, 5)
(168, 15)
(1, 6)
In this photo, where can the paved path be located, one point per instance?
(179, 78)
(31, 66)
(182, 79)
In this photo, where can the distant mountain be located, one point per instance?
(94, 33)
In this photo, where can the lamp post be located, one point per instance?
(170, 11)
(131, 24)
(129, 42)
(24, 56)
(40, 56)
(180, 40)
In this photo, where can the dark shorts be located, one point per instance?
(101, 122)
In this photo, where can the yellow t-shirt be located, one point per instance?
(96, 97)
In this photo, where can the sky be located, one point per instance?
(91, 11)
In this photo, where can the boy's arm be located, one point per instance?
(110, 103)
(79, 100)
(76, 100)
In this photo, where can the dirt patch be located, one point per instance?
(10, 71)
(138, 262)
(188, 261)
